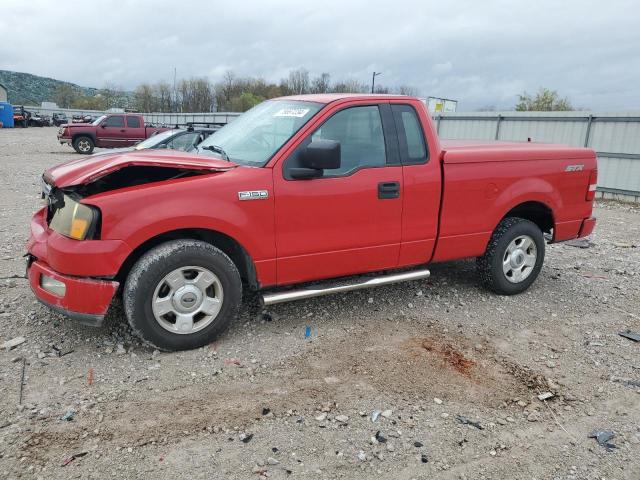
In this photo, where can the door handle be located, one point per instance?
(122, 131)
(388, 190)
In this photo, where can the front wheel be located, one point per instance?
(513, 258)
(83, 145)
(182, 294)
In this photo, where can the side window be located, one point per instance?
(413, 148)
(133, 122)
(359, 131)
(117, 121)
(183, 142)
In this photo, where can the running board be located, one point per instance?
(357, 284)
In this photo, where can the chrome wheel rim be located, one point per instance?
(84, 146)
(519, 259)
(187, 300)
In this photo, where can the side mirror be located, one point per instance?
(318, 156)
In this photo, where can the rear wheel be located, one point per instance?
(83, 145)
(514, 256)
(182, 294)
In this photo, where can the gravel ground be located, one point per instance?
(451, 372)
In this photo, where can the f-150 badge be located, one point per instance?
(253, 195)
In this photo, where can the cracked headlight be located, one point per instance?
(73, 219)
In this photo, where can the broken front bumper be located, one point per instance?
(75, 293)
(84, 299)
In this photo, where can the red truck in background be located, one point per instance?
(297, 189)
(108, 131)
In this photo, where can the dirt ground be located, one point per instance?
(450, 372)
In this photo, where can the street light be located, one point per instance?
(373, 80)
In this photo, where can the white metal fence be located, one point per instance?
(615, 136)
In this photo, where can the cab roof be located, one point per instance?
(333, 97)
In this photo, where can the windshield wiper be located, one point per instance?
(217, 149)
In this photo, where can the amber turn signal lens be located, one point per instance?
(79, 228)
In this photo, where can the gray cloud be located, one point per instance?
(480, 52)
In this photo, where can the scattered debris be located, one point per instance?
(232, 361)
(465, 421)
(69, 415)
(90, 377)
(61, 353)
(13, 343)
(418, 444)
(246, 438)
(630, 383)
(579, 243)
(635, 336)
(272, 461)
(424, 458)
(603, 437)
(322, 417)
(307, 332)
(71, 458)
(380, 438)
(266, 317)
(362, 456)
(374, 415)
(266, 411)
(342, 418)
(437, 401)
(387, 413)
(593, 275)
(623, 245)
(546, 396)
(24, 367)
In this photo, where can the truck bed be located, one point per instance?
(473, 151)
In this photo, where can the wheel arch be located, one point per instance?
(534, 211)
(75, 136)
(230, 246)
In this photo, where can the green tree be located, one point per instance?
(245, 101)
(87, 102)
(545, 100)
(64, 95)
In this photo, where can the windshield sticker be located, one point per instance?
(292, 112)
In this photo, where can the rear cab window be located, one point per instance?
(133, 122)
(413, 147)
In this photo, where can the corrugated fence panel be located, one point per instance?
(619, 137)
(569, 132)
(619, 174)
(452, 128)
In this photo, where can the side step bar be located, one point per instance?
(357, 284)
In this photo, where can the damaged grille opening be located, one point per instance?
(135, 175)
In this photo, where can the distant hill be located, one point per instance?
(27, 89)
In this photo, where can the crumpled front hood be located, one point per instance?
(84, 170)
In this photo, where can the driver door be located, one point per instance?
(349, 220)
(111, 132)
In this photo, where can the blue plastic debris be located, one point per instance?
(307, 332)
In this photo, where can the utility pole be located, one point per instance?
(373, 80)
(175, 92)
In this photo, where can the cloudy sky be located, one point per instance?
(479, 52)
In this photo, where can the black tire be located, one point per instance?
(83, 145)
(148, 273)
(490, 265)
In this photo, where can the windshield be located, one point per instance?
(257, 134)
(96, 121)
(155, 140)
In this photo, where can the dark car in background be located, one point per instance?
(38, 120)
(59, 119)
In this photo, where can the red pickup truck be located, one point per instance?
(297, 189)
(108, 131)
